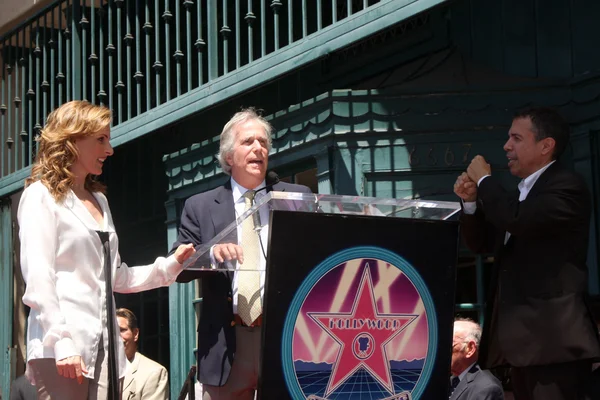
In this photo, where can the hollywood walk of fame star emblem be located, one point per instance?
(362, 335)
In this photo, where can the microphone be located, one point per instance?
(271, 180)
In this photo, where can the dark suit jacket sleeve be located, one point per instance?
(292, 187)
(478, 234)
(306, 189)
(555, 207)
(190, 232)
(21, 389)
(491, 392)
(189, 229)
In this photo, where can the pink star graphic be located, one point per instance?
(362, 336)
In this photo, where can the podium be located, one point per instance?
(358, 297)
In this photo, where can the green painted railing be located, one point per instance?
(135, 55)
(8, 353)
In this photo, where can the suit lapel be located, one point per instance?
(133, 367)
(543, 179)
(464, 384)
(76, 206)
(539, 184)
(513, 199)
(73, 204)
(222, 208)
(108, 222)
(222, 211)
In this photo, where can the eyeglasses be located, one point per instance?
(457, 343)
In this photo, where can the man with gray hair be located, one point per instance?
(469, 381)
(229, 328)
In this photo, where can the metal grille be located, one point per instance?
(134, 55)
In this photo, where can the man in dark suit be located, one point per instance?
(469, 381)
(229, 329)
(21, 389)
(592, 388)
(538, 313)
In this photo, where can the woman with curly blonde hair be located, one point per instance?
(70, 270)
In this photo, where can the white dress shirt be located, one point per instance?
(526, 184)
(131, 363)
(62, 261)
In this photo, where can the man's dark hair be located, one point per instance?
(547, 123)
(129, 316)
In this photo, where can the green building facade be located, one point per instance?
(372, 98)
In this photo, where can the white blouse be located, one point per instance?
(62, 261)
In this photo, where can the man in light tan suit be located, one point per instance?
(145, 379)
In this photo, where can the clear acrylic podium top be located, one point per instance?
(322, 203)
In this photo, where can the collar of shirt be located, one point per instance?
(238, 190)
(465, 372)
(132, 361)
(526, 184)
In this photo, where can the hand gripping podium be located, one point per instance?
(358, 298)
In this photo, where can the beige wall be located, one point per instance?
(14, 12)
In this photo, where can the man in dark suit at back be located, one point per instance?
(229, 329)
(592, 388)
(21, 389)
(539, 318)
(469, 381)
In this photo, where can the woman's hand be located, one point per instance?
(72, 367)
(184, 252)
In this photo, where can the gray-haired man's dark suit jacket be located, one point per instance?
(478, 385)
(203, 217)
